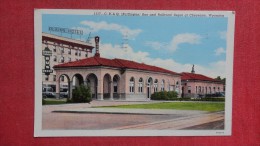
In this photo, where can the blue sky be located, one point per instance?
(170, 42)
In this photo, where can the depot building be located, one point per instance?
(117, 79)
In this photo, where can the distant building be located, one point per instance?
(117, 78)
(63, 50)
(197, 85)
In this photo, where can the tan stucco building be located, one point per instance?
(118, 78)
(197, 85)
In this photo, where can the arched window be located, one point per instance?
(199, 89)
(140, 85)
(55, 46)
(131, 85)
(214, 89)
(115, 83)
(162, 85)
(155, 85)
(54, 58)
(61, 59)
(209, 90)
(61, 49)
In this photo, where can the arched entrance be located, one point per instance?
(116, 89)
(92, 83)
(149, 86)
(64, 86)
(77, 80)
(107, 86)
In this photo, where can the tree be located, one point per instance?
(81, 94)
(218, 78)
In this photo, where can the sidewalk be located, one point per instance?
(131, 111)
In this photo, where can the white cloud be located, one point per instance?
(190, 38)
(109, 51)
(116, 51)
(220, 51)
(156, 45)
(103, 25)
(223, 34)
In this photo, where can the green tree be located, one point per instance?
(218, 78)
(81, 94)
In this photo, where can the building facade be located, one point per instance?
(63, 50)
(197, 85)
(117, 78)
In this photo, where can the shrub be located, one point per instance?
(164, 95)
(212, 99)
(43, 101)
(81, 94)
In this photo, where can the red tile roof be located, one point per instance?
(117, 63)
(192, 76)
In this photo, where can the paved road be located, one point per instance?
(84, 117)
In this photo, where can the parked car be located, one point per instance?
(48, 92)
(64, 92)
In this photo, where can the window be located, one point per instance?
(199, 89)
(54, 58)
(69, 59)
(196, 89)
(115, 87)
(46, 78)
(155, 85)
(79, 53)
(132, 85)
(69, 52)
(61, 59)
(54, 77)
(189, 89)
(162, 85)
(76, 53)
(54, 49)
(218, 89)
(206, 90)
(86, 55)
(202, 89)
(140, 85)
(214, 89)
(209, 90)
(61, 50)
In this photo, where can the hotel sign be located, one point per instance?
(66, 30)
(47, 56)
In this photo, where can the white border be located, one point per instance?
(38, 132)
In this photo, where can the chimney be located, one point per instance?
(97, 46)
(193, 71)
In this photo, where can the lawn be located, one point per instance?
(53, 102)
(203, 106)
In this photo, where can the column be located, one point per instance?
(57, 89)
(100, 90)
(70, 86)
(111, 90)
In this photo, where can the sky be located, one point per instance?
(173, 43)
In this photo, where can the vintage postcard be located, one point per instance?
(133, 72)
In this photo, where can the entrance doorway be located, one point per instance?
(149, 85)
